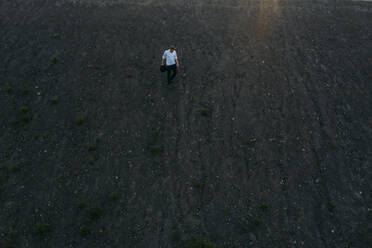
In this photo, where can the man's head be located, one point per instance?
(172, 48)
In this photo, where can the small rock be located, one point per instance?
(252, 237)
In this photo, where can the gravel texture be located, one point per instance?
(263, 140)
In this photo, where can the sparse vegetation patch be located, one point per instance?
(198, 185)
(53, 100)
(95, 212)
(114, 196)
(56, 36)
(248, 225)
(81, 204)
(9, 89)
(80, 120)
(25, 91)
(199, 243)
(42, 229)
(91, 147)
(85, 230)
(264, 207)
(91, 159)
(331, 207)
(155, 149)
(204, 111)
(26, 118)
(54, 60)
(25, 109)
(14, 168)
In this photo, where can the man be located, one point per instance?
(171, 62)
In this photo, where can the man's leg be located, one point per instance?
(168, 73)
(174, 69)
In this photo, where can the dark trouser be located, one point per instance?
(171, 68)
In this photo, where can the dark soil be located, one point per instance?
(263, 140)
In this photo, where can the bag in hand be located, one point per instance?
(162, 68)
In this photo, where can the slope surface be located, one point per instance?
(262, 141)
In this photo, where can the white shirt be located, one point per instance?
(169, 57)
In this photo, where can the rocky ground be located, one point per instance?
(263, 140)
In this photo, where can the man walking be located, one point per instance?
(171, 62)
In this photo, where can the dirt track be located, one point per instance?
(262, 141)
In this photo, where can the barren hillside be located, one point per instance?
(263, 140)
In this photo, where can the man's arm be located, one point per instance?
(163, 58)
(176, 58)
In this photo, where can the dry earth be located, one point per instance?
(264, 140)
